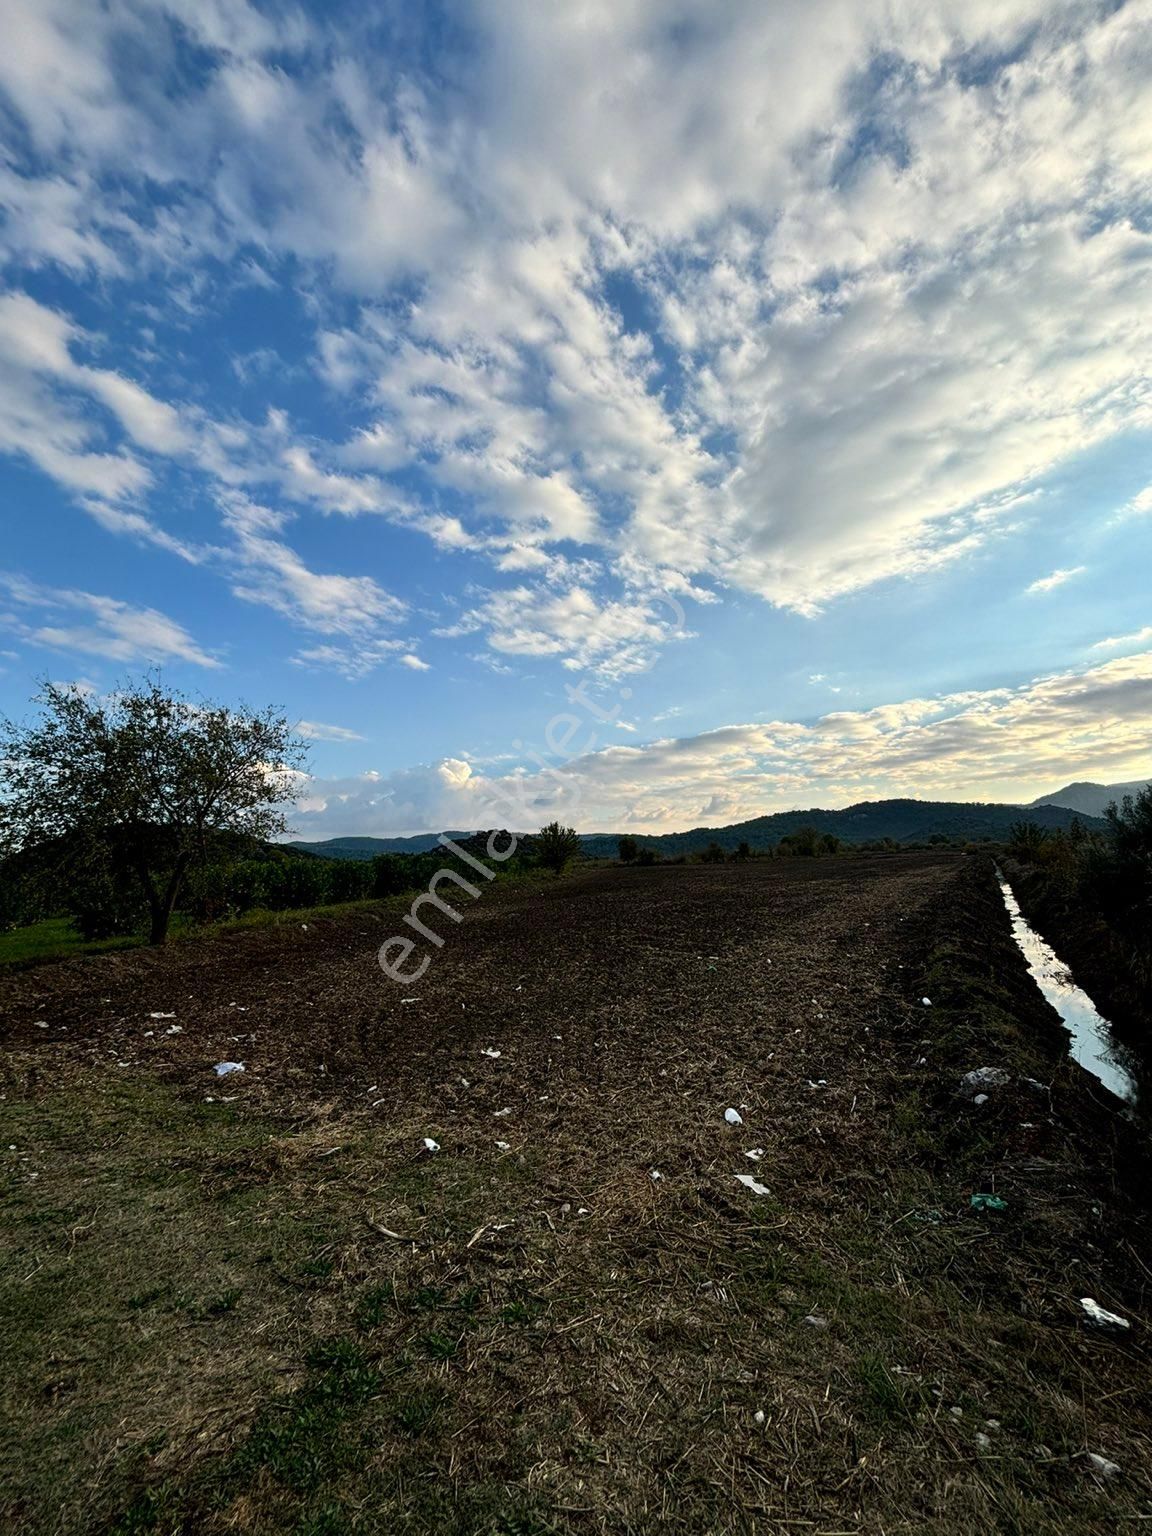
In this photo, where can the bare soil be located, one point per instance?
(258, 1304)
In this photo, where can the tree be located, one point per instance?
(130, 791)
(557, 846)
(627, 849)
(713, 854)
(1026, 840)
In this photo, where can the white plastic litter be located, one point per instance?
(490, 1052)
(815, 1321)
(982, 1441)
(655, 1175)
(174, 1029)
(505, 1146)
(498, 1112)
(927, 1001)
(750, 1181)
(161, 1015)
(755, 1153)
(225, 1068)
(40, 1024)
(981, 1098)
(1102, 1465)
(758, 1416)
(1099, 1318)
(430, 1145)
(983, 1078)
(733, 1117)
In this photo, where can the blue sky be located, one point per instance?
(775, 376)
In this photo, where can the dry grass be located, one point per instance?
(279, 1315)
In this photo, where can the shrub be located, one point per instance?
(556, 847)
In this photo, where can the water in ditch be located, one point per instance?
(1093, 1044)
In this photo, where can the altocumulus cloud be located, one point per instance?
(781, 299)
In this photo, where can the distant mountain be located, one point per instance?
(904, 821)
(1088, 798)
(369, 847)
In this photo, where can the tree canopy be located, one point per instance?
(129, 791)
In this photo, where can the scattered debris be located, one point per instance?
(655, 1175)
(490, 1052)
(981, 1078)
(981, 1098)
(814, 1320)
(981, 1201)
(1102, 1466)
(821, 1082)
(174, 1029)
(755, 1153)
(225, 1068)
(1099, 1318)
(927, 1002)
(750, 1181)
(40, 1024)
(733, 1117)
(504, 1146)
(161, 1015)
(758, 1416)
(983, 1443)
(498, 1112)
(430, 1145)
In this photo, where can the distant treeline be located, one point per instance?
(229, 883)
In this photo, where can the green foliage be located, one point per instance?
(809, 843)
(1026, 840)
(713, 854)
(556, 846)
(128, 793)
(627, 849)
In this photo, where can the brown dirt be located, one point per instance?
(630, 1009)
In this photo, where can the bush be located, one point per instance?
(627, 850)
(556, 847)
(1026, 840)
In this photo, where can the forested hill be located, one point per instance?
(904, 821)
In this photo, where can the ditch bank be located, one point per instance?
(1096, 958)
(1074, 1170)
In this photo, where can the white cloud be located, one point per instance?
(313, 730)
(108, 627)
(997, 744)
(414, 663)
(1128, 642)
(1140, 504)
(585, 633)
(1057, 579)
(788, 299)
(268, 571)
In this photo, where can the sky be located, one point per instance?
(650, 412)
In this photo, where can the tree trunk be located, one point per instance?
(162, 907)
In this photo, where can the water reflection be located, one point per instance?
(1092, 1044)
